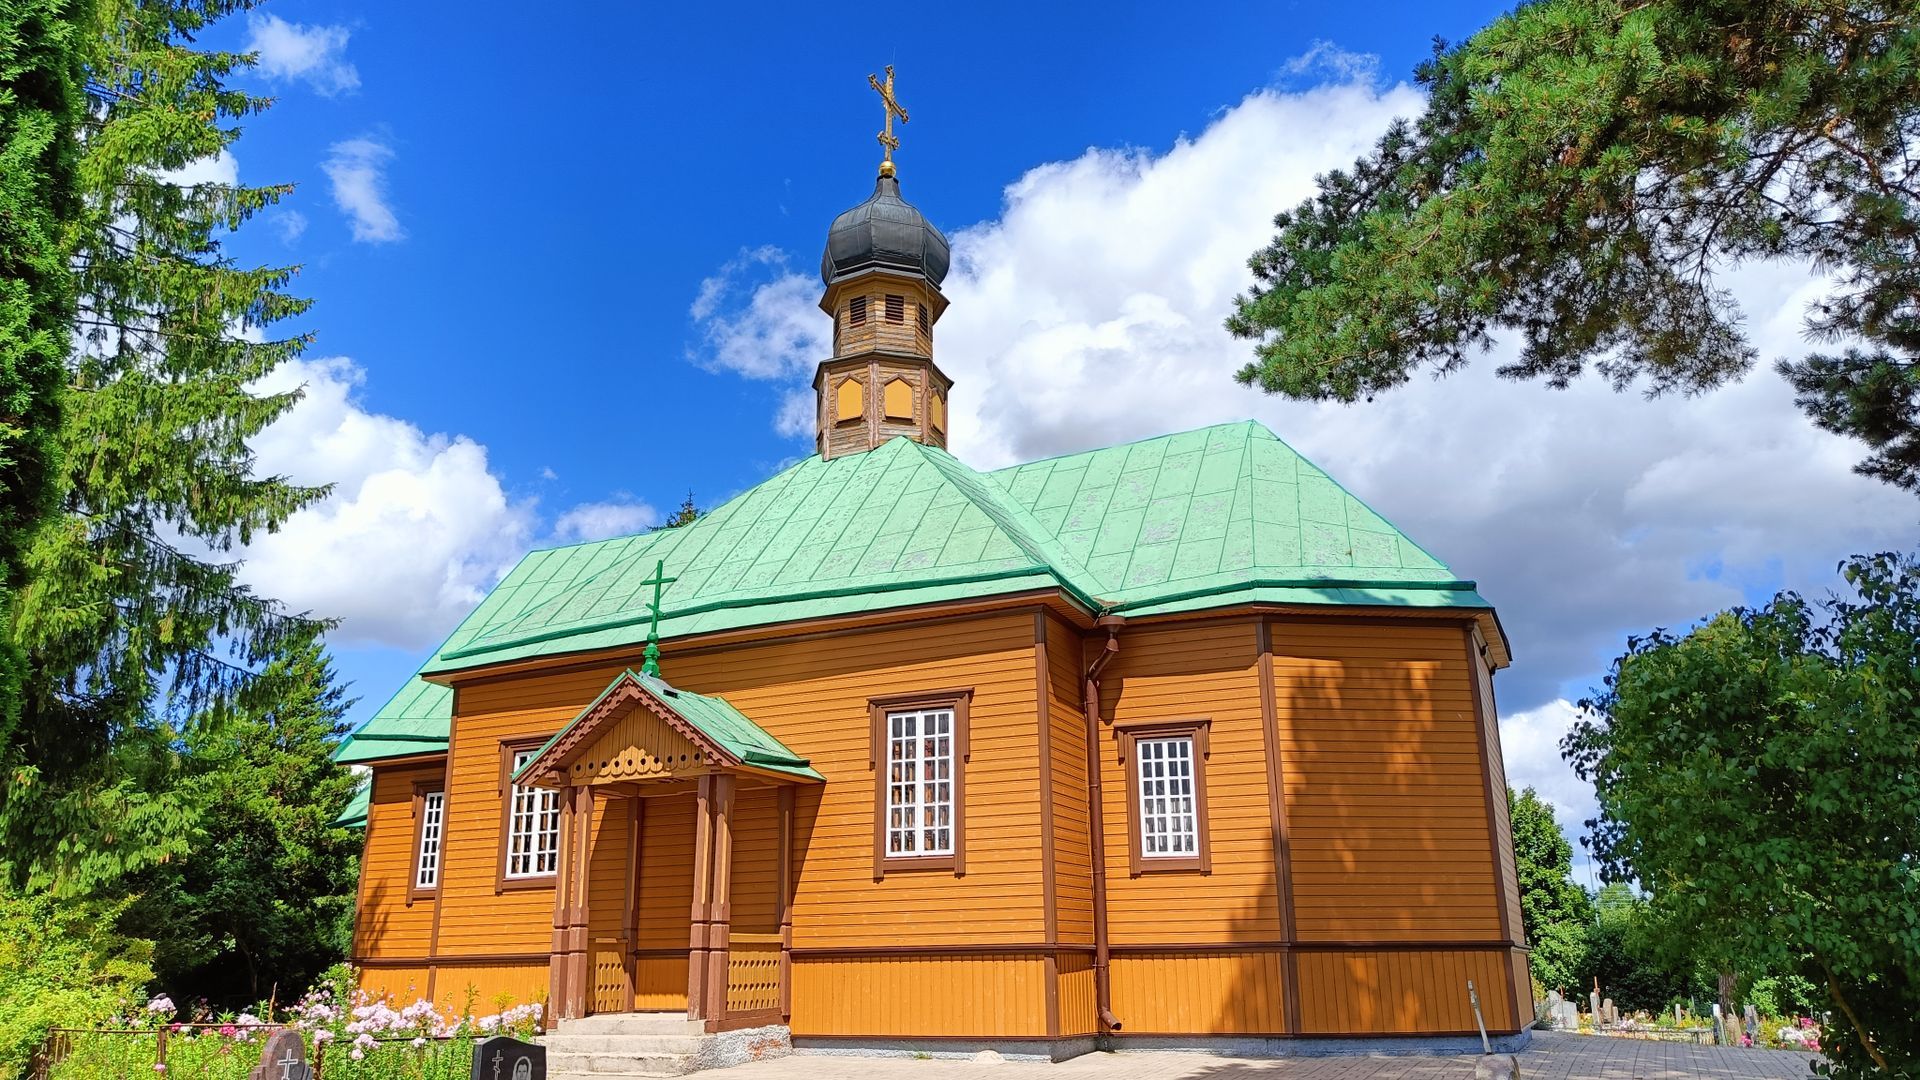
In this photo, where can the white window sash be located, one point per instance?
(1164, 771)
(433, 819)
(920, 783)
(533, 827)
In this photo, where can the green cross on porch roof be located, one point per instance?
(650, 664)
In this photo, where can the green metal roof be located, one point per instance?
(414, 721)
(713, 717)
(355, 814)
(1217, 517)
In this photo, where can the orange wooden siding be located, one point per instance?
(1078, 1001)
(388, 923)
(1200, 993)
(1189, 672)
(1067, 744)
(812, 695)
(1497, 771)
(1407, 992)
(901, 996)
(1386, 801)
(490, 987)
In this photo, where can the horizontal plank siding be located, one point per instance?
(389, 923)
(813, 695)
(1184, 673)
(1386, 798)
(1072, 843)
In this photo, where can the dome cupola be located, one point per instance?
(884, 233)
(882, 269)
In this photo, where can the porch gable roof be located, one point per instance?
(710, 723)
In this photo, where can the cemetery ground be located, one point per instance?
(1552, 1055)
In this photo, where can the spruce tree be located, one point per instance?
(41, 105)
(265, 898)
(133, 619)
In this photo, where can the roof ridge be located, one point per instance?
(1344, 490)
(1130, 442)
(1016, 521)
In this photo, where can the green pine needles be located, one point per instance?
(1584, 172)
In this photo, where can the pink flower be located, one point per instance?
(158, 1067)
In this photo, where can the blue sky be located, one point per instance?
(506, 223)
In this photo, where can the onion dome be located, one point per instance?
(884, 233)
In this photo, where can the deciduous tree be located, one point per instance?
(1554, 908)
(1759, 775)
(1584, 173)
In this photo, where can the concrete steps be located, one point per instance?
(630, 1046)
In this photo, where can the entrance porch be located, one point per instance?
(675, 861)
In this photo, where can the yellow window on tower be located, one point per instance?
(846, 401)
(899, 399)
(937, 411)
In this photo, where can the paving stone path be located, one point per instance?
(1552, 1056)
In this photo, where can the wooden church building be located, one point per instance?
(1172, 742)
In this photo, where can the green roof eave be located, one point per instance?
(359, 749)
(757, 611)
(1461, 597)
(354, 815)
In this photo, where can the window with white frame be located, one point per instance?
(1169, 813)
(433, 818)
(533, 826)
(920, 783)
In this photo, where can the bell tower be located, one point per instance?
(882, 269)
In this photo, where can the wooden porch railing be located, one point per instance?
(753, 977)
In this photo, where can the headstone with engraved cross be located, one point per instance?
(283, 1058)
(504, 1057)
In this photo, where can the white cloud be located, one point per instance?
(597, 521)
(220, 168)
(310, 53)
(358, 172)
(778, 331)
(292, 225)
(415, 531)
(1089, 312)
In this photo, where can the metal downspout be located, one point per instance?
(1096, 807)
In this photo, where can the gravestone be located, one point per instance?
(1606, 1012)
(1593, 1001)
(283, 1058)
(504, 1057)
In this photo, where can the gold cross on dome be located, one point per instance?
(893, 108)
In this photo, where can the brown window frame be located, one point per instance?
(422, 789)
(960, 701)
(501, 882)
(857, 311)
(1127, 735)
(922, 321)
(895, 308)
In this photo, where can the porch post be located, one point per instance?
(579, 959)
(720, 912)
(702, 898)
(562, 912)
(785, 902)
(630, 917)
